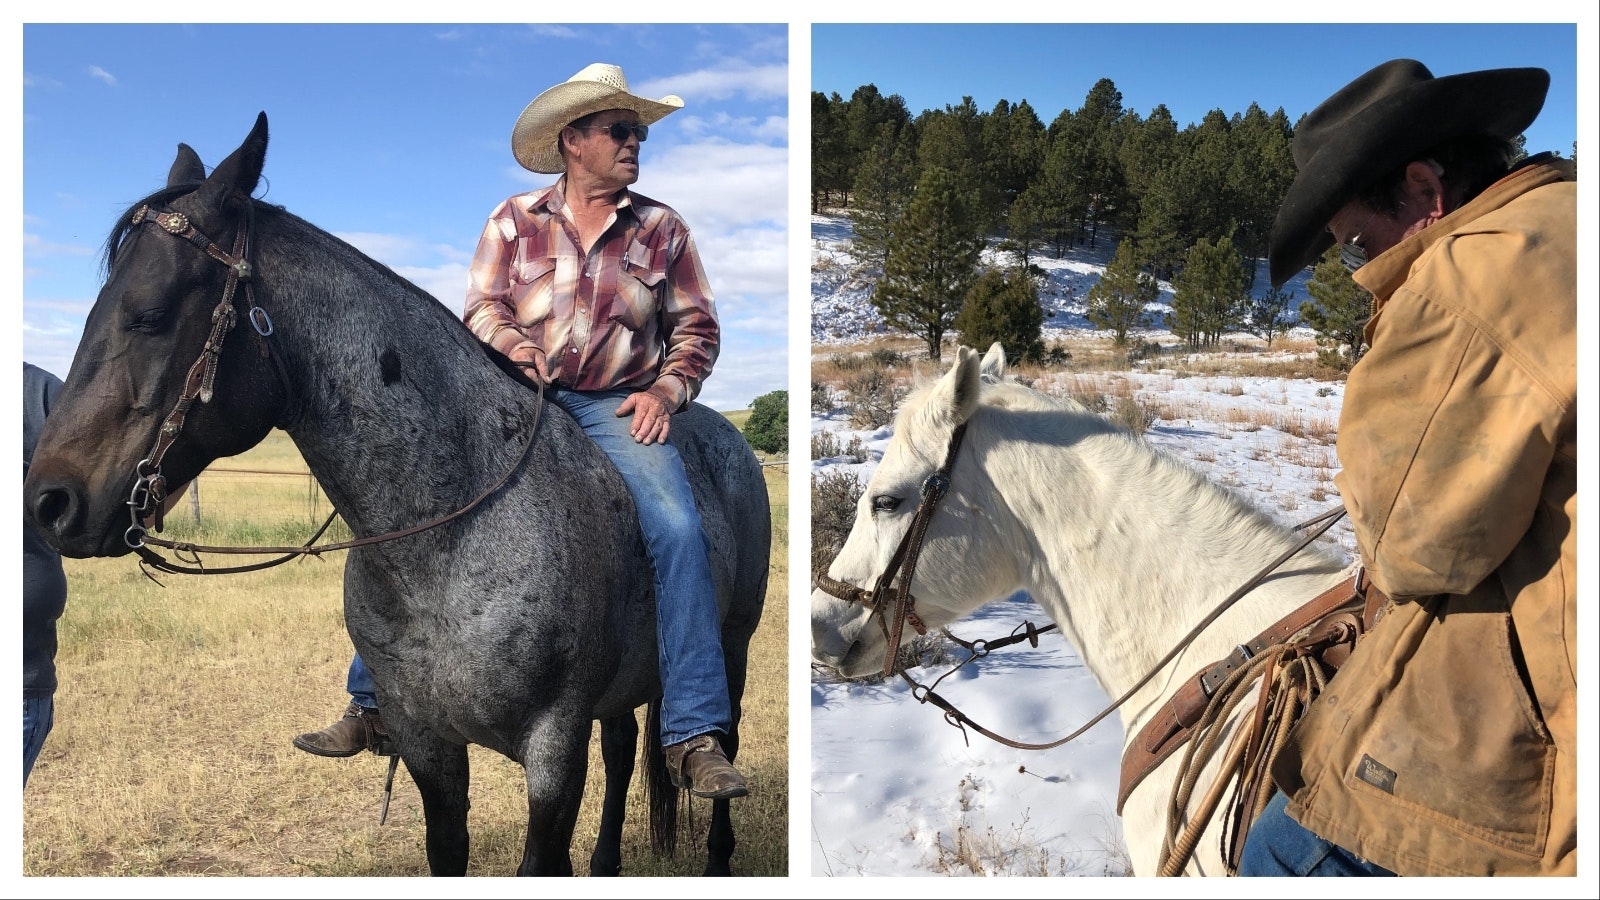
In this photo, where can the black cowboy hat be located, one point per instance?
(1386, 118)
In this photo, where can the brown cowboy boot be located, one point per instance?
(360, 729)
(699, 766)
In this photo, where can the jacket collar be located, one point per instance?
(1384, 274)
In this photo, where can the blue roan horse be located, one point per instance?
(513, 626)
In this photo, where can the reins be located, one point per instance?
(960, 720)
(149, 492)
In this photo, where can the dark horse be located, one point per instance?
(513, 626)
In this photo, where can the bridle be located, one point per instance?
(902, 564)
(149, 492)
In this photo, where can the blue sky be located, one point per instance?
(1192, 68)
(397, 139)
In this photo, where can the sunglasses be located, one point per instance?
(1353, 253)
(619, 131)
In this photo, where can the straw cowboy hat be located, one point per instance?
(596, 87)
(1374, 125)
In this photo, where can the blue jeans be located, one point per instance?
(38, 717)
(1278, 845)
(688, 632)
(359, 683)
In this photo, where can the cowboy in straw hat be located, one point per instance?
(599, 293)
(1447, 743)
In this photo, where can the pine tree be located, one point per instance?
(882, 189)
(1269, 315)
(1258, 178)
(932, 261)
(1023, 227)
(952, 139)
(830, 163)
(1003, 306)
(1337, 311)
(1208, 296)
(1117, 301)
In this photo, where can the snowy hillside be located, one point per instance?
(897, 791)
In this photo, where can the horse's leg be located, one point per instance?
(555, 759)
(440, 771)
(619, 736)
(720, 841)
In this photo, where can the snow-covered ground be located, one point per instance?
(896, 790)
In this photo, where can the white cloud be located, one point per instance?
(103, 75)
(50, 332)
(33, 245)
(768, 129)
(747, 263)
(719, 83)
(384, 248)
(30, 80)
(555, 31)
(447, 283)
(719, 185)
(745, 370)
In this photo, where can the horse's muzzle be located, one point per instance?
(59, 509)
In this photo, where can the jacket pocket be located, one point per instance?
(532, 285)
(1458, 742)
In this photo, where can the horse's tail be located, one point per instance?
(660, 793)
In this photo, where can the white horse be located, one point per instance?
(1123, 547)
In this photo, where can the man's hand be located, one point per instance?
(532, 362)
(651, 418)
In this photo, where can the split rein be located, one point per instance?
(904, 562)
(149, 493)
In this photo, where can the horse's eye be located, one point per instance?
(885, 503)
(147, 320)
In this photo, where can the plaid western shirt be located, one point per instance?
(635, 312)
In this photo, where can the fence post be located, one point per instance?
(194, 499)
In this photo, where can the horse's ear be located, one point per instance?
(994, 362)
(187, 168)
(954, 398)
(241, 171)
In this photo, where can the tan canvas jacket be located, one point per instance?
(1447, 745)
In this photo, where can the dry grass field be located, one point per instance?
(171, 751)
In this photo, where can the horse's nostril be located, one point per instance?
(53, 509)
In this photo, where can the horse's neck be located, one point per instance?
(1128, 551)
(392, 400)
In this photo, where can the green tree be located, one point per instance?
(1003, 306)
(882, 189)
(952, 139)
(1258, 178)
(1146, 148)
(1117, 301)
(1269, 316)
(932, 262)
(1208, 296)
(1337, 311)
(1023, 227)
(767, 429)
(830, 161)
